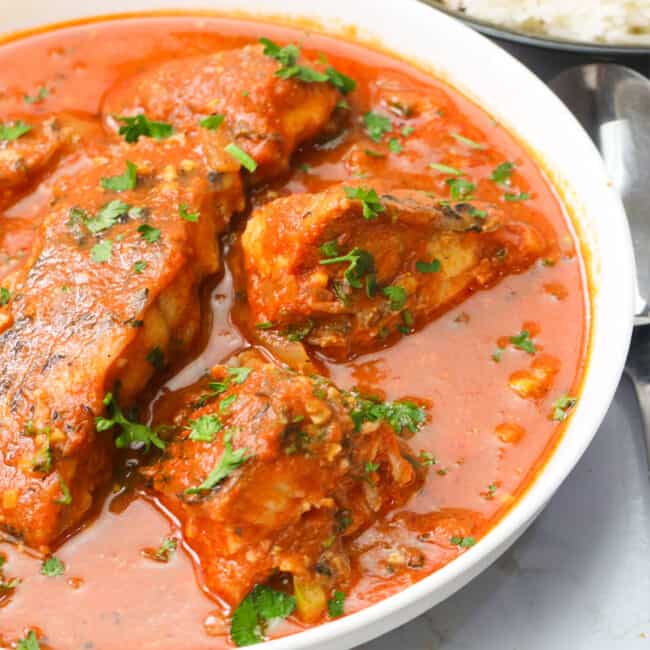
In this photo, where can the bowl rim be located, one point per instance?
(548, 42)
(608, 349)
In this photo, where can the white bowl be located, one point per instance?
(525, 105)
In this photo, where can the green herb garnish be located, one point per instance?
(184, 211)
(150, 234)
(138, 126)
(428, 267)
(123, 182)
(370, 202)
(102, 252)
(522, 341)
(212, 122)
(377, 125)
(562, 406)
(241, 156)
(13, 130)
(52, 567)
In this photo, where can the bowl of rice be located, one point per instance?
(607, 26)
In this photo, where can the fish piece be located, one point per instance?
(265, 115)
(269, 471)
(345, 274)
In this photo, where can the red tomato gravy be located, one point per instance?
(489, 443)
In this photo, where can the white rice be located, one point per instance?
(589, 21)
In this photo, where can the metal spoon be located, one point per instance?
(612, 103)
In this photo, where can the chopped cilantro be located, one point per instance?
(562, 406)
(184, 211)
(260, 607)
(300, 332)
(41, 94)
(230, 460)
(428, 267)
(123, 182)
(463, 542)
(426, 459)
(522, 341)
(287, 57)
(336, 604)
(12, 131)
(446, 169)
(397, 297)
(52, 567)
(497, 354)
(166, 550)
(132, 433)
(212, 122)
(204, 428)
(371, 468)
(239, 375)
(227, 402)
(377, 125)
(137, 126)
(513, 198)
(374, 154)
(267, 325)
(370, 202)
(395, 145)
(407, 130)
(150, 234)
(400, 415)
(329, 248)
(102, 252)
(241, 156)
(361, 263)
(461, 189)
(30, 642)
(139, 267)
(66, 498)
(467, 142)
(107, 216)
(5, 296)
(502, 173)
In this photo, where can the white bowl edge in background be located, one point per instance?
(528, 108)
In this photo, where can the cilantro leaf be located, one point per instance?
(139, 266)
(445, 169)
(467, 142)
(400, 415)
(428, 267)
(30, 642)
(562, 406)
(377, 125)
(245, 627)
(502, 173)
(166, 549)
(42, 93)
(461, 189)
(150, 234)
(522, 341)
(395, 145)
(361, 263)
(463, 542)
(138, 126)
(204, 428)
(230, 460)
(52, 567)
(123, 182)
(370, 202)
(241, 156)
(300, 332)
(212, 122)
(341, 82)
(66, 498)
(336, 604)
(133, 434)
(514, 198)
(12, 131)
(102, 252)
(329, 248)
(239, 375)
(156, 358)
(5, 296)
(107, 216)
(184, 211)
(397, 297)
(261, 606)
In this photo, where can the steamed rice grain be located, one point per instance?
(589, 21)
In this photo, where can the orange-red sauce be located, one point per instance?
(113, 596)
